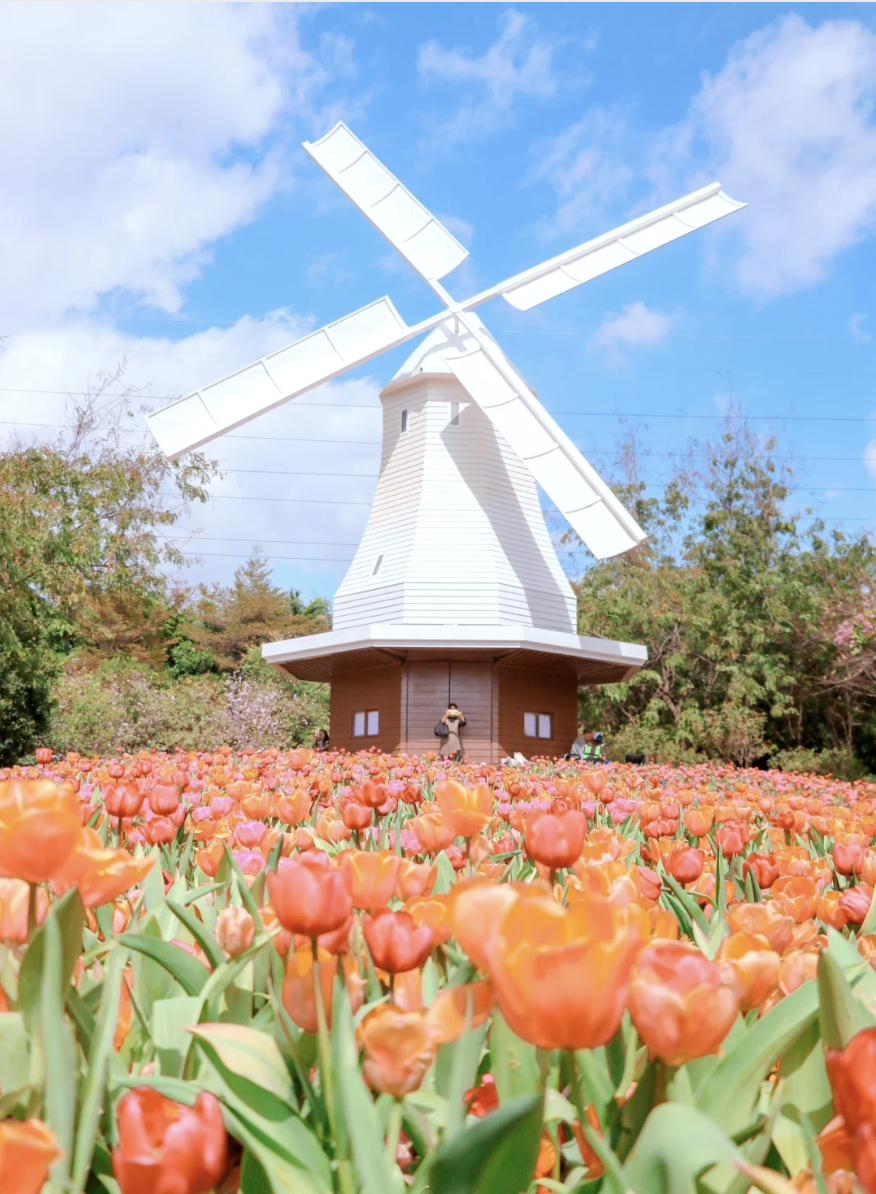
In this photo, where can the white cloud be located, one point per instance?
(518, 63)
(461, 229)
(637, 326)
(787, 125)
(857, 330)
(134, 136)
(585, 166)
(268, 459)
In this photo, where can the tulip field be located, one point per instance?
(299, 973)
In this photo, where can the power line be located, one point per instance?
(236, 555)
(294, 403)
(256, 540)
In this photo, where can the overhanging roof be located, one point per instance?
(591, 659)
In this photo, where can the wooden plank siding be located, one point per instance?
(525, 691)
(411, 697)
(373, 688)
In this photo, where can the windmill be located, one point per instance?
(455, 591)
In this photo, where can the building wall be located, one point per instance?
(523, 691)
(374, 688)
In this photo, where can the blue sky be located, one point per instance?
(158, 209)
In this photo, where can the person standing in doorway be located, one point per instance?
(451, 747)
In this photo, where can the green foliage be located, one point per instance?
(743, 615)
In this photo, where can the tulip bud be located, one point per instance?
(553, 839)
(166, 1146)
(28, 1149)
(309, 895)
(235, 930)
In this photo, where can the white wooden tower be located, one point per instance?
(455, 590)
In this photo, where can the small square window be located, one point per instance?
(404, 422)
(373, 722)
(530, 725)
(454, 414)
(359, 725)
(545, 729)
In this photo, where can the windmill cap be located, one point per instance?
(430, 355)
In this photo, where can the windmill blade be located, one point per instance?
(192, 421)
(577, 490)
(390, 206)
(613, 249)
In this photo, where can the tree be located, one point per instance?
(83, 521)
(228, 622)
(739, 610)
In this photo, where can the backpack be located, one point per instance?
(441, 730)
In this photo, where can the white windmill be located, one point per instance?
(455, 591)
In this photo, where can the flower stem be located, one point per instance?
(32, 911)
(613, 1173)
(325, 1053)
(395, 1122)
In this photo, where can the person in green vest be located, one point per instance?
(587, 746)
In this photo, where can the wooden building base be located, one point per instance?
(411, 696)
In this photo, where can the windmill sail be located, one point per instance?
(572, 484)
(392, 209)
(188, 423)
(613, 249)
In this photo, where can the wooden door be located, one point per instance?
(427, 691)
(471, 688)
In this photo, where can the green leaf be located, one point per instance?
(14, 1064)
(196, 927)
(446, 876)
(459, 1060)
(842, 1013)
(92, 1095)
(59, 1049)
(496, 1155)
(170, 1020)
(512, 1061)
(361, 1121)
(676, 1144)
(729, 1092)
(68, 917)
(251, 1064)
(187, 970)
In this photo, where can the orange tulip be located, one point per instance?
(753, 966)
(39, 826)
(432, 832)
(828, 910)
(475, 909)
(165, 1148)
(292, 807)
(852, 1074)
(763, 920)
(681, 1003)
(685, 865)
(555, 839)
(560, 975)
(482, 1099)
(414, 879)
(299, 986)
(433, 911)
(309, 895)
(14, 897)
(454, 1007)
(210, 858)
(395, 942)
(398, 1050)
(372, 875)
(465, 810)
(795, 895)
(699, 821)
(28, 1149)
(101, 875)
